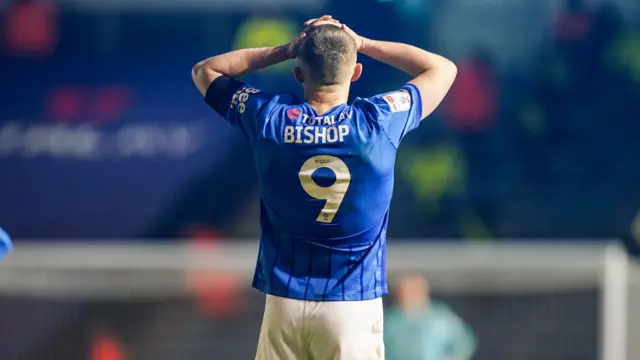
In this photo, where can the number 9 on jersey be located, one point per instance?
(333, 194)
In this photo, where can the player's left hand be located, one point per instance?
(328, 19)
(294, 45)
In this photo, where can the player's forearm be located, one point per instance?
(236, 63)
(408, 58)
(240, 62)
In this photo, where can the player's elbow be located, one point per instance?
(434, 84)
(440, 73)
(448, 69)
(445, 73)
(196, 76)
(196, 70)
(202, 70)
(203, 76)
(452, 67)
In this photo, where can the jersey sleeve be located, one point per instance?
(241, 104)
(397, 112)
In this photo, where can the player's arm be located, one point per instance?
(240, 62)
(237, 63)
(432, 74)
(235, 101)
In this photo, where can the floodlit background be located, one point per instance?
(511, 199)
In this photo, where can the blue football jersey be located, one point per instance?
(326, 182)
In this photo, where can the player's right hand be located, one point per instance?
(295, 43)
(322, 20)
(328, 19)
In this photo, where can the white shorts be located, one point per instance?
(313, 330)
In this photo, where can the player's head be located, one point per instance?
(328, 56)
(413, 291)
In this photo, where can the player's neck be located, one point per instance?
(324, 98)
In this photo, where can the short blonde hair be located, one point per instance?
(329, 54)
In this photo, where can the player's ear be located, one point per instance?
(298, 74)
(357, 72)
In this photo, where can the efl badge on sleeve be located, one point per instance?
(398, 101)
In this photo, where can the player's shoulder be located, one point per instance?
(389, 103)
(248, 94)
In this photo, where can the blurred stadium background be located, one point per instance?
(530, 168)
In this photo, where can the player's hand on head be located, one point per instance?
(357, 38)
(322, 20)
(294, 44)
(328, 19)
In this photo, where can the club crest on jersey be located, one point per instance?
(293, 113)
(398, 101)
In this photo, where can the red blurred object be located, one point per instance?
(106, 347)
(111, 103)
(31, 28)
(218, 294)
(203, 236)
(88, 105)
(473, 99)
(64, 104)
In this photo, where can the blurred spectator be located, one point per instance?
(434, 183)
(473, 99)
(473, 114)
(419, 328)
(31, 28)
(434, 172)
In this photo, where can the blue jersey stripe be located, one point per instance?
(310, 263)
(258, 280)
(349, 264)
(361, 280)
(276, 257)
(293, 266)
(375, 273)
(329, 274)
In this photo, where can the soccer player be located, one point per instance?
(325, 169)
(421, 328)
